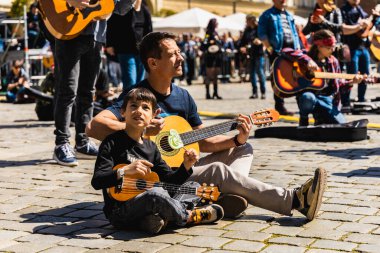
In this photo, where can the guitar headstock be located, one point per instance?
(264, 117)
(211, 192)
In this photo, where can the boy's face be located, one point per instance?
(138, 113)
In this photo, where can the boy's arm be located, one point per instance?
(104, 175)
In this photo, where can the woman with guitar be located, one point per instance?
(323, 103)
(125, 155)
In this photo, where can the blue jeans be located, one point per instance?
(322, 108)
(258, 67)
(132, 70)
(154, 201)
(360, 61)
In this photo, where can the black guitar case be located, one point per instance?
(348, 132)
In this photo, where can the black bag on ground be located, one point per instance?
(351, 131)
(44, 101)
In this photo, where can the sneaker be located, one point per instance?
(64, 155)
(152, 224)
(310, 194)
(254, 96)
(284, 111)
(233, 205)
(263, 96)
(89, 149)
(207, 214)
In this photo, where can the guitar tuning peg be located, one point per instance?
(203, 201)
(210, 202)
(204, 184)
(212, 185)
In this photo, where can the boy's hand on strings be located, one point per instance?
(141, 167)
(190, 157)
(312, 66)
(359, 78)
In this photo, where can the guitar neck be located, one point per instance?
(328, 75)
(172, 188)
(207, 132)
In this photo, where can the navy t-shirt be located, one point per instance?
(179, 102)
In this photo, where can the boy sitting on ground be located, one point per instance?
(153, 209)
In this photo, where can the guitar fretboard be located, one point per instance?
(207, 132)
(327, 75)
(177, 188)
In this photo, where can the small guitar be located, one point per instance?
(288, 78)
(133, 185)
(375, 47)
(66, 22)
(177, 133)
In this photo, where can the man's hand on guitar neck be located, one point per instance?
(156, 125)
(244, 128)
(80, 4)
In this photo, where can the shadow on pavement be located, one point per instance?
(350, 154)
(6, 163)
(373, 172)
(83, 220)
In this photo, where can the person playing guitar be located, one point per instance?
(154, 208)
(324, 103)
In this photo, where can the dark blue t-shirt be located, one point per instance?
(179, 102)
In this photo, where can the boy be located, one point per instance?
(153, 209)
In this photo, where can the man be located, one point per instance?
(135, 24)
(78, 63)
(277, 31)
(353, 14)
(229, 165)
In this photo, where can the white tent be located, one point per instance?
(194, 20)
(238, 18)
(300, 20)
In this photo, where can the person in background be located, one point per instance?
(376, 33)
(16, 81)
(353, 14)
(213, 58)
(35, 38)
(252, 45)
(136, 24)
(277, 31)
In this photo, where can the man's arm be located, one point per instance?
(103, 124)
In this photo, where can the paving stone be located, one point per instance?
(51, 239)
(339, 216)
(282, 249)
(377, 231)
(371, 220)
(57, 211)
(294, 241)
(10, 235)
(322, 251)
(92, 233)
(206, 242)
(60, 229)
(246, 226)
(356, 227)
(246, 235)
(362, 210)
(167, 238)
(91, 223)
(335, 245)
(363, 238)
(341, 201)
(182, 249)
(334, 208)
(91, 243)
(27, 247)
(322, 233)
(141, 247)
(240, 245)
(5, 243)
(22, 226)
(370, 248)
(203, 231)
(323, 224)
(65, 249)
(280, 230)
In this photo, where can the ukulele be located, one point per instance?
(288, 78)
(177, 135)
(66, 22)
(133, 185)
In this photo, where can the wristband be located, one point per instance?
(237, 143)
(120, 173)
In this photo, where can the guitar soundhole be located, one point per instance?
(164, 144)
(140, 184)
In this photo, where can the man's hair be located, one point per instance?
(319, 35)
(150, 46)
(139, 94)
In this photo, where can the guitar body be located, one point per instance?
(173, 157)
(132, 187)
(65, 22)
(375, 47)
(288, 79)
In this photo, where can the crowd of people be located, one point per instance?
(151, 61)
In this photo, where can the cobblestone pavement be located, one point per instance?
(49, 208)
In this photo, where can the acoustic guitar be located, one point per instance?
(375, 47)
(289, 79)
(133, 185)
(65, 22)
(177, 135)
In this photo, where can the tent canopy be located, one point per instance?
(195, 20)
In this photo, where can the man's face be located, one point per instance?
(279, 3)
(354, 2)
(171, 60)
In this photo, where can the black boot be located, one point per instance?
(215, 95)
(208, 91)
